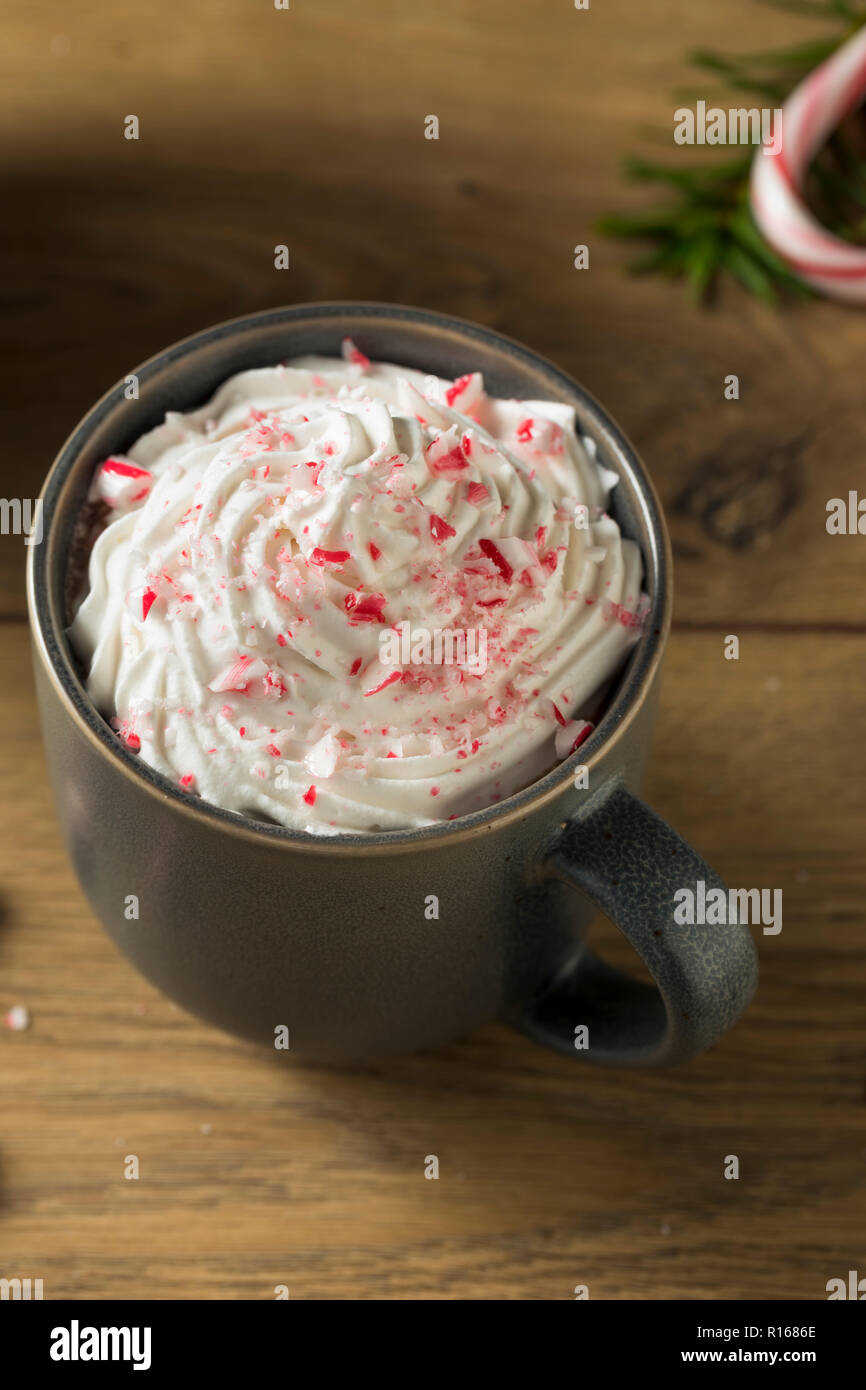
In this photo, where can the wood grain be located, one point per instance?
(551, 1174)
(307, 128)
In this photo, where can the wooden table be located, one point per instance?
(305, 127)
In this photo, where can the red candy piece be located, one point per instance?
(389, 680)
(492, 551)
(450, 465)
(477, 494)
(365, 608)
(439, 528)
(125, 470)
(329, 557)
(354, 355)
(121, 468)
(237, 676)
(455, 391)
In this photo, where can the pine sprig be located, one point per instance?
(705, 229)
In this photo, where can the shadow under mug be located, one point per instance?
(258, 929)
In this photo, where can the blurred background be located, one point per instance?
(307, 127)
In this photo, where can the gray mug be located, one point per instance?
(272, 934)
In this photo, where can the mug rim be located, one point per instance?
(635, 679)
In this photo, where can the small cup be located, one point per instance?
(259, 929)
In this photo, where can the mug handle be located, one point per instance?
(630, 862)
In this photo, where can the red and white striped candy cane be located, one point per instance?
(813, 110)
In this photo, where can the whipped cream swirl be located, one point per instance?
(264, 601)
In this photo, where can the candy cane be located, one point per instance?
(813, 110)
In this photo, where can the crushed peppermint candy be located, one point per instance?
(17, 1018)
(349, 596)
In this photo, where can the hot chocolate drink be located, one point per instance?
(345, 596)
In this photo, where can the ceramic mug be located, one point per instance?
(258, 929)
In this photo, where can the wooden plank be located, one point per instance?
(551, 1175)
(306, 127)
